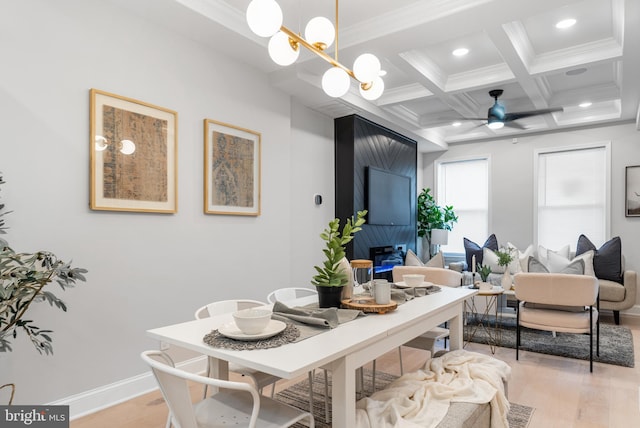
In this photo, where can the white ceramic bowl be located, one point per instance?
(413, 280)
(252, 321)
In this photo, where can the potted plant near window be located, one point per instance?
(23, 281)
(331, 277)
(432, 217)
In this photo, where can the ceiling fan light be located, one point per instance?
(335, 82)
(585, 104)
(320, 32)
(374, 91)
(495, 125)
(281, 50)
(456, 124)
(366, 67)
(264, 17)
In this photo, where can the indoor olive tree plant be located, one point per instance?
(23, 281)
(432, 216)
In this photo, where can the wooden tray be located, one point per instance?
(368, 304)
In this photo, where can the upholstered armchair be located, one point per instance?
(558, 302)
(617, 297)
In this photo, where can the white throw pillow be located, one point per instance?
(543, 253)
(436, 261)
(523, 256)
(411, 259)
(490, 258)
(557, 263)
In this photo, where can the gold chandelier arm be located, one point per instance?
(315, 50)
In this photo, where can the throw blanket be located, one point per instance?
(421, 399)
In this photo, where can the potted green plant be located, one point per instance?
(484, 272)
(431, 217)
(331, 277)
(23, 281)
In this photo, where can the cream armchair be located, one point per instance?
(559, 303)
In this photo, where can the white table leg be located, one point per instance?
(218, 369)
(343, 388)
(456, 331)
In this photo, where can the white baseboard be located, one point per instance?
(106, 396)
(633, 311)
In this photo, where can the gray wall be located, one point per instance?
(511, 182)
(145, 270)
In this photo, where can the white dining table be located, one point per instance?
(342, 349)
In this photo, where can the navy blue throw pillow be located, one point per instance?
(607, 260)
(471, 249)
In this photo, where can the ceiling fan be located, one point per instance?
(497, 117)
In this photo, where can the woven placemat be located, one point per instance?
(217, 340)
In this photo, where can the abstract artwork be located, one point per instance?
(632, 191)
(231, 169)
(133, 155)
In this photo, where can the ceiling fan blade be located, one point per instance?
(522, 114)
(514, 125)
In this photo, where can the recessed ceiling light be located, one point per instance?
(460, 52)
(566, 23)
(456, 124)
(585, 104)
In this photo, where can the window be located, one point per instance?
(464, 184)
(572, 195)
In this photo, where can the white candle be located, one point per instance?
(473, 264)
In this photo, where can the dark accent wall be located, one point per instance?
(360, 143)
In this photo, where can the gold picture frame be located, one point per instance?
(134, 155)
(231, 169)
(632, 191)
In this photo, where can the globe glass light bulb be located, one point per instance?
(375, 91)
(127, 147)
(335, 82)
(281, 51)
(264, 17)
(366, 67)
(320, 32)
(101, 143)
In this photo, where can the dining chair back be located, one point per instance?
(289, 293)
(436, 275)
(260, 379)
(235, 403)
(226, 307)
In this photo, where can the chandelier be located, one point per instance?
(265, 20)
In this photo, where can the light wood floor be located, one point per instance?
(562, 391)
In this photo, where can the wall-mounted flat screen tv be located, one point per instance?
(388, 198)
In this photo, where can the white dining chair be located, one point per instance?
(260, 379)
(289, 293)
(236, 403)
(285, 295)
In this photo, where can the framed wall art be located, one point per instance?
(632, 191)
(231, 169)
(133, 155)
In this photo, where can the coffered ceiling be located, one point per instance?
(513, 45)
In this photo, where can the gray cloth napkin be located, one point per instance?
(330, 317)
